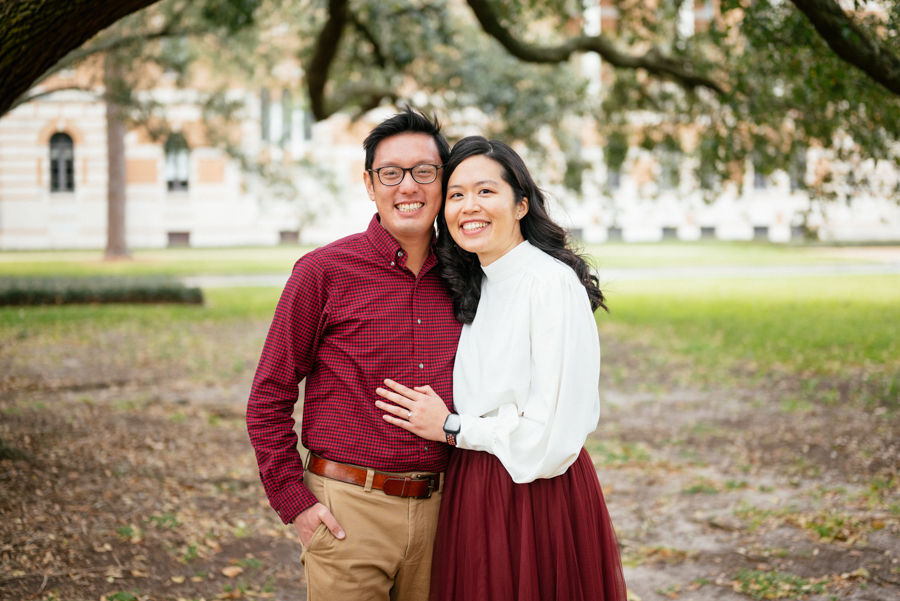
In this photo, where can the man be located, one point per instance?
(365, 308)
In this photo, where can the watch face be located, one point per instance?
(453, 423)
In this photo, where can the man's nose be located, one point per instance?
(408, 185)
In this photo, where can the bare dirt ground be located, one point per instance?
(139, 481)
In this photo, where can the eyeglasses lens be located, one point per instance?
(423, 174)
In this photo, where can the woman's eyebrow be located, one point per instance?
(481, 183)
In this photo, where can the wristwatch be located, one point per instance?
(452, 426)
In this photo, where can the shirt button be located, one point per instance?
(418, 321)
(392, 263)
(399, 253)
(426, 448)
(421, 366)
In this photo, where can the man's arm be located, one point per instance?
(287, 358)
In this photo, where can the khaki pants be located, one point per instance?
(386, 554)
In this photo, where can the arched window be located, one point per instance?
(177, 163)
(62, 163)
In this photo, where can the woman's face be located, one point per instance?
(481, 211)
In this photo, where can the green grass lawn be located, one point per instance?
(280, 259)
(711, 254)
(169, 262)
(813, 325)
(803, 325)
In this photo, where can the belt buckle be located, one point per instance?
(430, 480)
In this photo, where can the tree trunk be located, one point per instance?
(36, 34)
(116, 247)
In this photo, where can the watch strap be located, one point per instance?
(451, 439)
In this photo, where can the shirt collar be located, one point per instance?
(509, 263)
(390, 249)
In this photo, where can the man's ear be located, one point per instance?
(370, 185)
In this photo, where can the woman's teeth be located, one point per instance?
(410, 207)
(474, 225)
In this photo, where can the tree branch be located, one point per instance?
(851, 43)
(367, 97)
(367, 33)
(113, 43)
(25, 98)
(326, 49)
(36, 34)
(653, 61)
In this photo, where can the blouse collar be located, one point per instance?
(509, 263)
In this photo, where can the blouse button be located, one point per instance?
(399, 253)
(421, 366)
(392, 263)
(418, 321)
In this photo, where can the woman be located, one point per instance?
(522, 514)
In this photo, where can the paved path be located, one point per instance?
(617, 275)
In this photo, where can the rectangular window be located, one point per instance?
(761, 232)
(307, 125)
(264, 115)
(670, 233)
(289, 237)
(287, 117)
(760, 181)
(614, 234)
(708, 233)
(179, 239)
(614, 179)
(177, 170)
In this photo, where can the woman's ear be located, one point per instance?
(522, 208)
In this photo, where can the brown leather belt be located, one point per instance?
(396, 486)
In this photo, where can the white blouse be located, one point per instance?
(526, 378)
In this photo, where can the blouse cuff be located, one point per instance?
(476, 433)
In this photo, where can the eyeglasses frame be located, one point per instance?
(410, 170)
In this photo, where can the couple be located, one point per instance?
(385, 508)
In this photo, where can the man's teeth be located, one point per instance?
(474, 225)
(410, 206)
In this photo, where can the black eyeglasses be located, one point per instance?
(392, 176)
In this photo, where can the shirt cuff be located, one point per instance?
(292, 501)
(476, 433)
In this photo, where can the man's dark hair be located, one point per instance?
(408, 121)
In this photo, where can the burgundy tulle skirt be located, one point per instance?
(547, 540)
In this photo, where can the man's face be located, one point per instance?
(407, 210)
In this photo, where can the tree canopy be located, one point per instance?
(763, 84)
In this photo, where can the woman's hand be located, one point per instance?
(419, 410)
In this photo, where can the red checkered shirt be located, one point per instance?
(350, 316)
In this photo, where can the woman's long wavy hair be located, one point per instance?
(461, 269)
